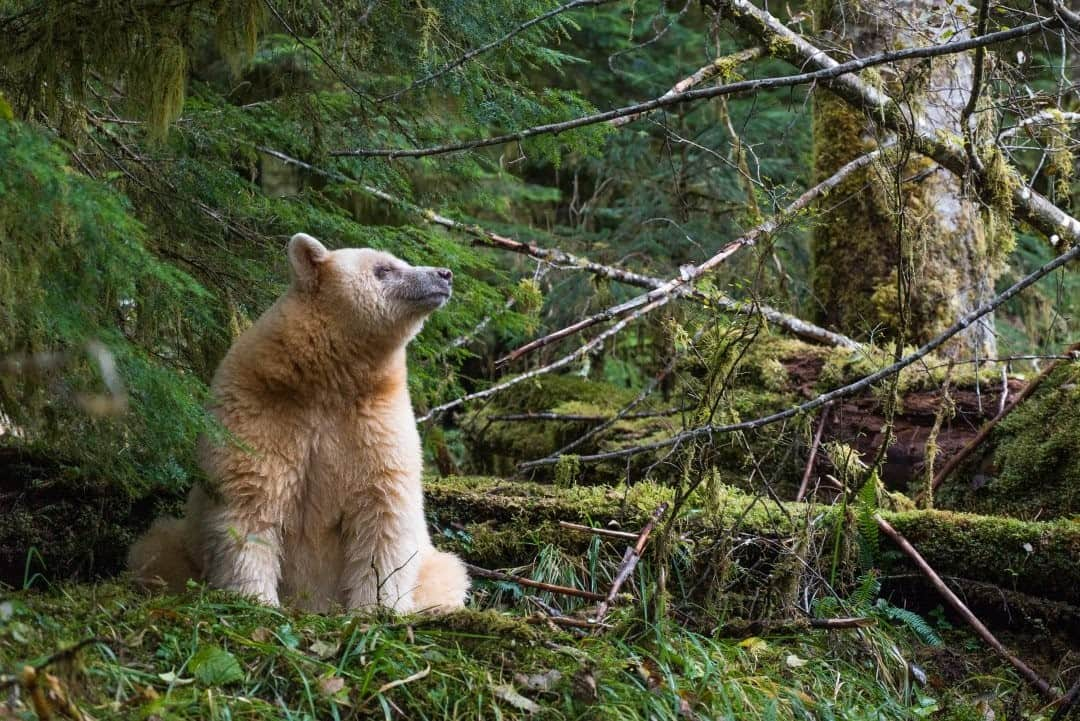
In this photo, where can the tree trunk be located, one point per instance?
(932, 231)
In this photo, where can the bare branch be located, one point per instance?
(560, 363)
(561, 258)
(1026, 671)
(708, 72)
(682, 285)
(836, 70)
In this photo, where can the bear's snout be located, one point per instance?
(446, 274)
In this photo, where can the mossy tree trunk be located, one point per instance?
(944, 251)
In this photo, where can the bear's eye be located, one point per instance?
(382, 271)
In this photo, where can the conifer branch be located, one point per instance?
(573, 5)
(822, 74)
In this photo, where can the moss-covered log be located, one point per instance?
(1040, 559)
(1029, 467)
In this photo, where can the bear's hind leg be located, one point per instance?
(442, 582)
(239, 553)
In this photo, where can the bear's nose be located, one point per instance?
(446, 274)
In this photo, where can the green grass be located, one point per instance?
(210, 655)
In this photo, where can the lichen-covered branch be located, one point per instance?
(1028, 204)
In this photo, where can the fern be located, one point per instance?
(866, 507)
(867, 588)
(918, 625)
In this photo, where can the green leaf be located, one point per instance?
(214, 666)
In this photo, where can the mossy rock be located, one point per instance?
(1029, 467)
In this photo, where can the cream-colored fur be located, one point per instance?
(316, 498)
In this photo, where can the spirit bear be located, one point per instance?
(315, 497)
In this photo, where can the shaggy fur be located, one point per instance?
(315, 498)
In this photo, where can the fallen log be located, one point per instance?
(508, 519)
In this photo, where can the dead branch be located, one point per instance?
(629, 562)
(561, 258)
(813, 453)
(953, 600)
(682, 284)
(953, 463)
(554, 366)
(1068, 702)
(844, 391)
(597, 531)
(584, 418)
(565, 621)
(708, 72)
(521, 581)
(825, 74)
(795, 626)
(628, 408)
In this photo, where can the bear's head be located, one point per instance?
(370, 295)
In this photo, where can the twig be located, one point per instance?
(843, 391)
(549, 368)
(597, 531)
(623, 412)
(716, 67)
(629, 562)
(953, 600)
(742, 86)
(953, 463)
(521, 581)
(813, 453)
(777, 626)
(488, 46)
(565, 621)
(572, 417)
(1067, 702)
(682, 284)
(1046, 117)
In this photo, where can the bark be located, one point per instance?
(950, 255)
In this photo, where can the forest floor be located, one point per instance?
(209, 655)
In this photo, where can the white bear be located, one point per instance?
(315, 497)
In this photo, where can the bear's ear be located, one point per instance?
(305, 255)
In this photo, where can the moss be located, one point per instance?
(1030, 465)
